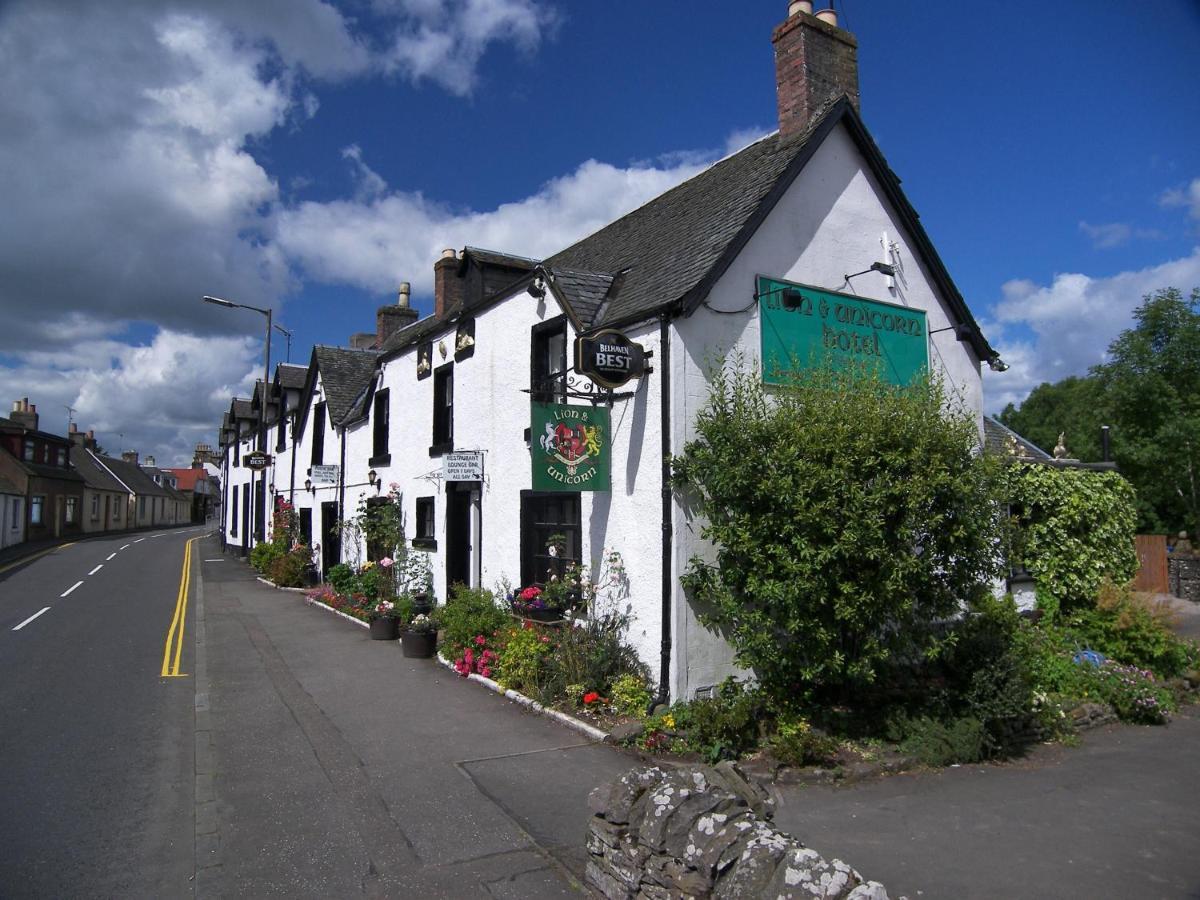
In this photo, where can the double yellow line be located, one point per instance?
(173, 649)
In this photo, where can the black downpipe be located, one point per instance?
(292, 483)
(664, 363)
(342, 489)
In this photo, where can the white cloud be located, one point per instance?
(1049, 332)
(444, 41)
(1187, 197)
(396, 237)
(1103, 237)
(159, 398)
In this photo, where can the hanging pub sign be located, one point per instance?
(609, 358)
(805, 327)
(257, 460)
(570, 447)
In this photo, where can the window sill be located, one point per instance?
(383, 459)
(424, 543)
(441, 449)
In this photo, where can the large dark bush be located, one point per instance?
(848, 516)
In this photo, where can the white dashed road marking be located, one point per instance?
(71, 588)
(97, 569)
(31, 618)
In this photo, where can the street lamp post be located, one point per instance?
(262, 407)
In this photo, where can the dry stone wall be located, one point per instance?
(1183, 573)
(703, 831)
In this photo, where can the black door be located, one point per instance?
(245, 519)
(306, 526)
(458, 533)
(260, 510)
(331, 545)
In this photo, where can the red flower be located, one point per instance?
(590, 698)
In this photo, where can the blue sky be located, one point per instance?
(310, 156)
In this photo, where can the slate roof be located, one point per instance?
(243, 409)
(996, 441)
(132, 476)
(291, 377)
(584, 292)
(345, 375)
(94, 475)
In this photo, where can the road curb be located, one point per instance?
(207, 848)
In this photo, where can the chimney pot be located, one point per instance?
(447, 283)
(449, 253)
(799, 6)
(402, 298)
(816, 63)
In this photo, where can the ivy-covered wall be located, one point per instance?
(1071, 529)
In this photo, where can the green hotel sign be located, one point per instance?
(804, 327)
(571, 447)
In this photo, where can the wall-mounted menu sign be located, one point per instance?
(463, 465)
(609, 358)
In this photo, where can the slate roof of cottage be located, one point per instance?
(243, 409)
(132, 476)
(996, 440)
(670, 251)
(584, 292)
(345, 375)
(291, 377)
(94, 475)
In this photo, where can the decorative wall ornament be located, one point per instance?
(464, 340)
(442, 349)
(424, 359)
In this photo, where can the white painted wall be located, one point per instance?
(828, 224)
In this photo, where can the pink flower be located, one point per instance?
(480, 640)
(486, 672)
(386, 562)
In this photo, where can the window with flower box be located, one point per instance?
(550, 535)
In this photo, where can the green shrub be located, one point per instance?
(263, 555)
(630, 695)
(288, 570)
(726, 726)
(1134, 629)
(470, 612)
(847, 516)
(989, 672)
(522, 660)
(1072, 529)
(796, 743)
(593, 654)
(343, 580)
(941, 743)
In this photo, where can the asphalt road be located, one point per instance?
(96, 746)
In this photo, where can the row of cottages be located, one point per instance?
(54, 487)
(542, 400)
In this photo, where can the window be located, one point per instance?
(36, 504)
(318, 435)
(62, 457)
(233, 515)
(117, 510)
(425, 538)
(95, 507)
(548, 368)
(141, 507)
(443, 410)
(379, 420)
(281, 438)
(71, 502)
(16, 513)
(548, 518)
(28, 450)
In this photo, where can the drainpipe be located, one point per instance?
(292, 485)
(341, 492)
(664, 362)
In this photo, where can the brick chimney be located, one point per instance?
(130, 456)
(390, 319)
(447, 285)
(25, 414)
(815, 63)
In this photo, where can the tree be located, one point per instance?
(1073, 405)
(1151, 389)
(848, 516)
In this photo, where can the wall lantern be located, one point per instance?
(373, 480)
(308, 486)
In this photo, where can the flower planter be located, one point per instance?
(385, 628)
(418, 644)
(422, 605)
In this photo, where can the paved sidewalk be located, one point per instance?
(340, 768)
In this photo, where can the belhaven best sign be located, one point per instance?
(570, 447)
(609, 358)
